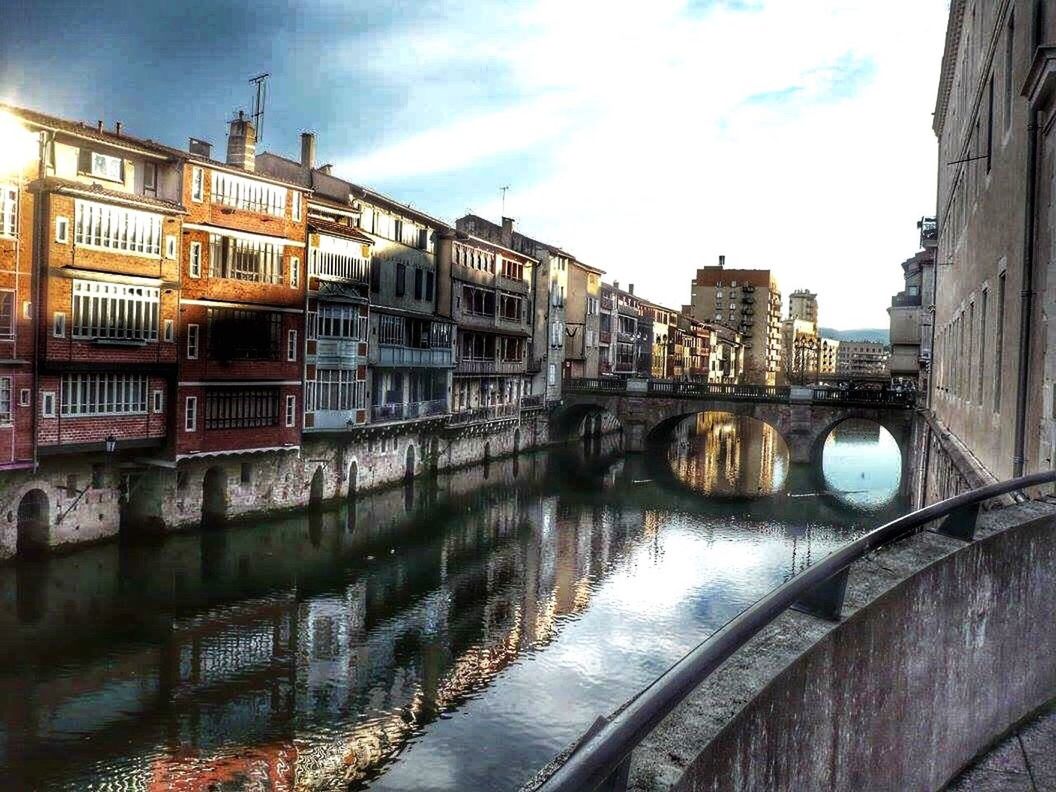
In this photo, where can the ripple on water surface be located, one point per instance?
(452, 637)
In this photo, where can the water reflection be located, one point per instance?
(727, 455)
(453, 637)
(862, 464)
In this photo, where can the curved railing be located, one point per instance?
(602, 759)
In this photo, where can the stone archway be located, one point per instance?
(34, 524)
(214, 496)
(317, 489)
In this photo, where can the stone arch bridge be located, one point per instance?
(649, 410)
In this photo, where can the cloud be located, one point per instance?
(786, 135)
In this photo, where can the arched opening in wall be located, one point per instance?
(34, 524)
(861, 464)
(315, 492)
(214, 496)
(353, 481)
(408, 468)
(725, 455)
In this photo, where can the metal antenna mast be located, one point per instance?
(261, 83)
(503, 190)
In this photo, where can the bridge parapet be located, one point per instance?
(679, 389)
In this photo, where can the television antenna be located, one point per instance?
(503, 191)
(260, 83)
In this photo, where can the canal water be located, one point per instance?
(454, 635)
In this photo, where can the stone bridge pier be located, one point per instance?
(648, 420)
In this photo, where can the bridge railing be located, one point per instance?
(602, 759)
(710, 390)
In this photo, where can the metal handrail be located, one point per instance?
(604, 757)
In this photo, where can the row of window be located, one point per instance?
(424, 282)
(337, 320)
(340, 258)
(395, 228)
(416, 333)
(115, 311)
(117, 228)
(963, 352)
(248, 194)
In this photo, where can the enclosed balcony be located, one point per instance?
(404, 341)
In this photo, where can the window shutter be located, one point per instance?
(84, 161)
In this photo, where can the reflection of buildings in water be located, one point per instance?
(856, 431)
(730, 455)
(373, 659)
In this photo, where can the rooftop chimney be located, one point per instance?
(722, 261)
(308, 149)
(630, 288)
(507, 231)
(117, 128)
(200, 147)
(242, 143)
(327, 168)
(99, 125)
(616, 285)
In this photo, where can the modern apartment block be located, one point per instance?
(803, 305)
(486, 289)
(828, 355)
(748, 301)
(862, 358)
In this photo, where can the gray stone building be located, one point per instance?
(995, 359)
(911, 313)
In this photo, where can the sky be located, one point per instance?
(644, 138)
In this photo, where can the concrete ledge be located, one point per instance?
(943, 647)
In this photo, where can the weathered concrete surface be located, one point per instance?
(943, 647)
(1024, 760)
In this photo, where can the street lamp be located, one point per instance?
(110, 445)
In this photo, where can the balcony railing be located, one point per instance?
(493, 412)
(532, 402)
(906, 301)
(438, 357)
(490, 366)
(404, 411)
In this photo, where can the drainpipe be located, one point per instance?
(1026, 298)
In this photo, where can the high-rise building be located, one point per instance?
(803, 305)
(749, 301)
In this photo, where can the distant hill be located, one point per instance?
(868, 334)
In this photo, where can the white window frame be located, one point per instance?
(8, 210)
(193, 337)
(157, 401)
(194, 260)
(7, 406)
(152, 185)
(248, 195)
(291, 411)
(62, 230)
(551, 374)
(96, 395)
(115, 310)
(25, 397)
(47, 404)
(127, 231)
(170, 331)
(103, 172)
(291, 346)
(58, 325)
(170, 246)
(9, 331)
(190, 414)
(295, 205)
(197, 184)
(295, 269)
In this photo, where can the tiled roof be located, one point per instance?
(87, 131)
(54, 183)
(339, 230)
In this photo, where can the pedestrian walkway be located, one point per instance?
(1024, 761)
